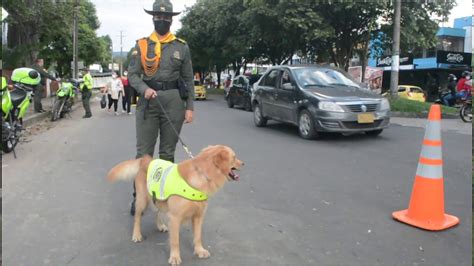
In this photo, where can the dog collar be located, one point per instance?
(164, 180)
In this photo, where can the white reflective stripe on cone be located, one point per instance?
(429, 171)
(433, 130)
(431, 152)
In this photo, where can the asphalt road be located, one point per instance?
(298, 202)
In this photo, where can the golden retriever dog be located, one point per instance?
(203, 176)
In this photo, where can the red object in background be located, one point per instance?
(124, 81)
(462, 85)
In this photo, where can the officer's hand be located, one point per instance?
(150, 94)
(188, 116)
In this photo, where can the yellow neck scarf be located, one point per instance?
(150, 65)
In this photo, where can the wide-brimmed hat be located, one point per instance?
(162, 7)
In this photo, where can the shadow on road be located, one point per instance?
(325, 136)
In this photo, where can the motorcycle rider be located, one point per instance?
(463, 88)
(450, 94)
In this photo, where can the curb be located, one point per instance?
(35, 118)
(421, 115)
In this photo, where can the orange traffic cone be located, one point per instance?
(426, 208)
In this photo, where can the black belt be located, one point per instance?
(162, 85)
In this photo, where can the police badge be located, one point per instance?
(176, 55)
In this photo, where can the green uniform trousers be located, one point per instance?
(39, 91)
(151, 122)
(86, 96)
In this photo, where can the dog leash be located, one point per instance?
(185, 147)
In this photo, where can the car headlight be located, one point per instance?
(330, 106)
(385, 105)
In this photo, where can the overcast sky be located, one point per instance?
(128, 16)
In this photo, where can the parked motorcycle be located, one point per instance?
(15, 104)
(466, 111)
(64, 98)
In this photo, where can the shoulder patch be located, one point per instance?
(180, 40)
(134, 52)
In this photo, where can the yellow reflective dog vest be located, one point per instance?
(164, 180)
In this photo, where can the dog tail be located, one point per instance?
(125, 170)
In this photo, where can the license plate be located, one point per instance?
(365, 118)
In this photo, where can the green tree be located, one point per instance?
(234, 32)
(419, 24)
(279, 29)
(45, 28)
(210, 36)
(349, 24)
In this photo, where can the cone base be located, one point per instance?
(447, 222)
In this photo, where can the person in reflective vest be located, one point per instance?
(86, 90)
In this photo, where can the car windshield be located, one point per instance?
(322, 77)
(417, 90)
(254, 78)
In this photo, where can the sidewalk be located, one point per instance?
(31, 117)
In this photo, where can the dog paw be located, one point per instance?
(174, 260)
(162, 228)
(137, 238)
(202, 253)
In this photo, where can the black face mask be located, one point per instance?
(162, 26)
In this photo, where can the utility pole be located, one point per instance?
(75, 40)
(395, 50)
(121, 51)
(112, 53)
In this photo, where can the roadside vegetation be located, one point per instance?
(409, 106)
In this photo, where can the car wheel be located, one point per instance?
(258, 118)
(374, 133)
(230, 104)
(306, 126)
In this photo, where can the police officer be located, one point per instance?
(86, 90)
(157, 65)
(39, 91)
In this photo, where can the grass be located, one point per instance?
(409, 106)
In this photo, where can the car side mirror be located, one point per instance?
(288, 86)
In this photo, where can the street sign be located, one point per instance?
(80, 65)
(4, 14)
(457, 58)
(387, 61)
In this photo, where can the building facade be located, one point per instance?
(452, 55)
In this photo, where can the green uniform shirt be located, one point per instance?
(175, 62)
(87, 81)
(43, 73)
(163, 180)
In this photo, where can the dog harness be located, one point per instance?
(163, 180)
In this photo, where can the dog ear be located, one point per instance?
(221, 159)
